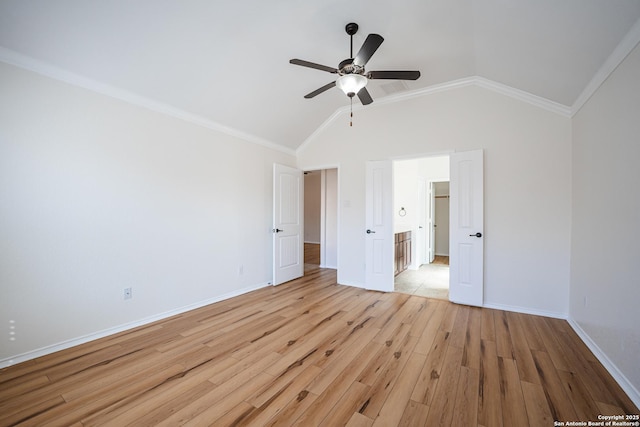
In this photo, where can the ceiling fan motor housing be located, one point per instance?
(348, 67)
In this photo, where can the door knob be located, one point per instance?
(370, 231)
(277, 230)
(475, 235)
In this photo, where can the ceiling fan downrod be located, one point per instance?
(351, 29)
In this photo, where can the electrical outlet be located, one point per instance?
(241, 270)
(127, 293)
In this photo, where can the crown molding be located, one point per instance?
(624, 48)
(23, 61)
(523, 96)
(477, 81)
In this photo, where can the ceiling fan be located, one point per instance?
(352, 75)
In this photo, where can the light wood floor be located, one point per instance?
(312, 253)
(441, 259)
(311, 352)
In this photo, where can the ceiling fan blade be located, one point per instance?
(369, 47)
(395, 75)
(364, 96)
(313, 65)
(320, 90)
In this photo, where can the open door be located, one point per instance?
(288, 248)
(379, 222)
(466, 228)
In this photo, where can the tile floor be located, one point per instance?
(430, 280)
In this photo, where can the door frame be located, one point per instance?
(433, 212)
(323, 213)
(323, 168)
(451, 178)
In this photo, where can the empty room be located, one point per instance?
(154, 157)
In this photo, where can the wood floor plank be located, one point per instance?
(579, 395)
(22, 414)
(312, 351)
(531, 332)
(511, 398)
(430, 331)
(385, 382)
(489, 393)
(488, 330)
(559, 404)
(153, 411)
(293, 410)
(459, 331)
(343, 410)
(619, 396)
(535, 401)
(343, 359)
(263, 411)
(471, 353)
(503, 335)
(465, 411)
(449, 318)
(415, 414)
(521, 351)
(359, 420)
(427, 382)
(553, 347)
(393, 407)
(383, 356)
(579, 363)
(441, 408)
(209, 414)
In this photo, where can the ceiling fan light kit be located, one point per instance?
(351, 84)
(353, 78)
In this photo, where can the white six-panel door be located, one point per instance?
(288, 247)
(466, 237)
(379, 246)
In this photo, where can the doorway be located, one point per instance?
(421, 212)
(320, 219)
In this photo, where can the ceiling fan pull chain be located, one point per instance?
(351, 119)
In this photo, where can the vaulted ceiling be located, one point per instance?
(226, 63)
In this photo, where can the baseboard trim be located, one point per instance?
(13, 360)
(525, 310)
(617, 375)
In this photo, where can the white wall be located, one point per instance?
(605, 267)
(97, 195)
(405, 194)
(527, 151)
(312, 187)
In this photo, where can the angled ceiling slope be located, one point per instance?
(225, 65)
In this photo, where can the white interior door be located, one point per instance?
(466, 228)
(288, 248)
(379, 249)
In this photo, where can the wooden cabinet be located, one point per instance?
(403, 251)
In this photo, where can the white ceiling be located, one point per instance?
(227, 62)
